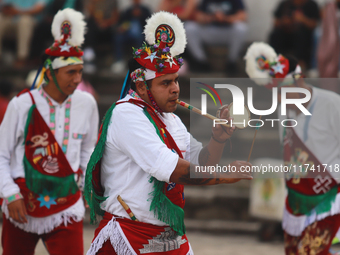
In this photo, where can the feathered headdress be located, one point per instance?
(68, 28)
(263, 65)
(166, 39)
(165, 35)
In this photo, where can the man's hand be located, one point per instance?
(219, 132)
(17, 211)
(204, 18)
(219, 16)
(240, 173)
(183, 175)
(85, 202)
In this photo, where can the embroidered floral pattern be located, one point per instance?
(158, 55)
(137, 75)
(52, 118)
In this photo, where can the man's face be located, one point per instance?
(69, 77)
(165, 90)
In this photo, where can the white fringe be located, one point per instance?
(190, 252)
(46, 224)
(295, 225)
(118, 240)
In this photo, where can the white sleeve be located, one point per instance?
(135, 136)
(334, 116)
(193, 150)
(9, 139)
(90, 138)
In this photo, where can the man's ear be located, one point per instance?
(49, 75)
(141, 88)
(300, 83)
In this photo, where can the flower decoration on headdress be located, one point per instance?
(166, 39)
(263, 65)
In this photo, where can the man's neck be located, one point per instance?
(52, 90)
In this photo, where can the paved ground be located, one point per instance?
(207, 244)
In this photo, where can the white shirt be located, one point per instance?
(133, 153)
(320, 132)
(83, 122)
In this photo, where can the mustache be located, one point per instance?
(174, 97)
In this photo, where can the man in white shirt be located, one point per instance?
(145, 153)
(311, 149)
(47, 136)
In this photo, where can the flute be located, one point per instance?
(127, 208)
(198, 111)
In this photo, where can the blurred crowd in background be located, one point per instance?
(296, 29)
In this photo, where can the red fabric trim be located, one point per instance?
(39, 138)
(66, 240)
(139, 235)
(293, 150)
(33, 205)
(152, 66)
(316, 239)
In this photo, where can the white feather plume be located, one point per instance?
(258, 49)
(174, 22)
(77, 22)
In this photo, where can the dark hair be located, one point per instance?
(44, 58)
(133, 65)
(293, 62)
(6, 88)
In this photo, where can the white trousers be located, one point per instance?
(23, 26)
(233, 36)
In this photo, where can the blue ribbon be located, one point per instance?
(36, 76)
(126, 85)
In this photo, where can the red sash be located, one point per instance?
(306, 182)
(49, 185)
(173, 191)
(149, 239)
(307, 188)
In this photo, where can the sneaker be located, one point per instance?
(118, 67)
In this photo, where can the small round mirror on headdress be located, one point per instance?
(266, 68)
(166, 35)
(65, 29)
(167, 30)
(259, 59)
(240, 120)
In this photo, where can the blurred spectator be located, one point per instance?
(329, 47)
(42, 37)
(87, 87)
(103, 15)
(185, 9)
(295, 21)
(330, 21)
(217, 22)
(20, 15)
(129, 30)
(5, 94)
